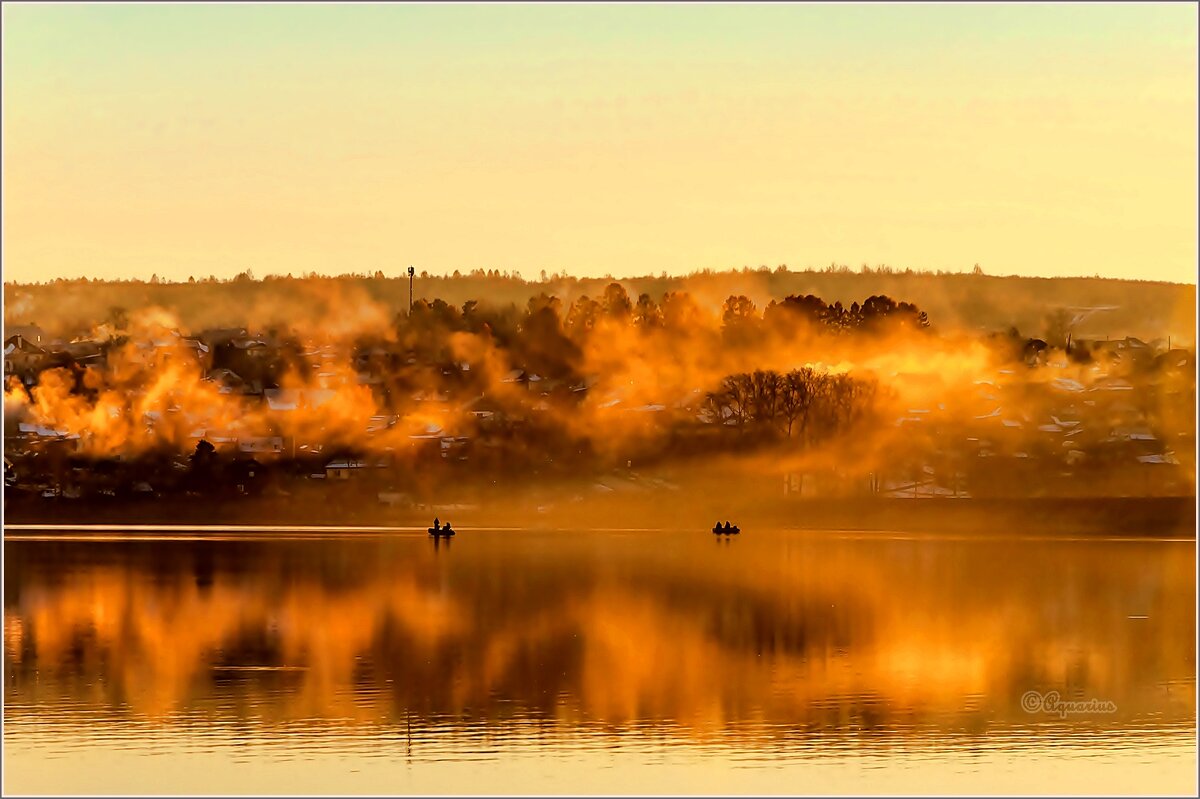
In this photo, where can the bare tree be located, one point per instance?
(764, 396)
(796, 398)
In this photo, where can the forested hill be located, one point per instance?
(1100, 307)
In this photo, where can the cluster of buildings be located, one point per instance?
(282, 436)
(1116, 419)
(1119, 421)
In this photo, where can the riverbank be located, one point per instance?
(1151, 517)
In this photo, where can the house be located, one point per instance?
(247, 475)
(1066, 384)
(486, 410)
(226, 380)
(23, 358)
(282, 399)
(1132, 434)
(197, 350)
(431, 395)
(216, 337)
(273, 444)
(378, 424)
(34, 430)
(1110, 383)
(1125, 350)
(344, 469)
(917, 489)
(85, 353)
(455, 447)
(1159, 458)
(433, 432)
(31, 333)
(254, 348)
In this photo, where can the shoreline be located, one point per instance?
(1133, 517)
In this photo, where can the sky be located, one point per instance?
(207, 139)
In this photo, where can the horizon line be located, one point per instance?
(516, 275)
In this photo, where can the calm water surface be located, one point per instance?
(594, 662)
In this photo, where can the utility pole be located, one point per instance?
(411, 272)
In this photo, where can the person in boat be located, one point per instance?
(717, 527)
(447, 529)
(436, 523)
(727, 527)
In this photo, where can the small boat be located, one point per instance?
(718, 529)
(441, 532)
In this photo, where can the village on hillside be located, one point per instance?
(394, 423)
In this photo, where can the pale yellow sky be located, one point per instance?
(208, 139)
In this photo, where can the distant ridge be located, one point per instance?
(971, 302)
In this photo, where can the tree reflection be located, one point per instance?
(778, 631)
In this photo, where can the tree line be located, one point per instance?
(804, 404)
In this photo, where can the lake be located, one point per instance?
(282, 660)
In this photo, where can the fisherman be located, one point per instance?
(727, 527)
(446, 530)
(436, 523)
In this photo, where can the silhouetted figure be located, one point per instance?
(727, 527)
(447, 530)
(436, 523)
(717, 528)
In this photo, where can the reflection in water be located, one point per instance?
(578, 644)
